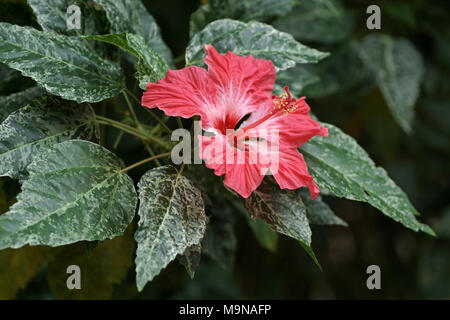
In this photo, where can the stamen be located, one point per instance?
(282, 105)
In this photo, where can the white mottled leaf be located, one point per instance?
(75, 192)
(339, 165)
(171, 219)
(151, 67)
(64, 66)
(283, 210)
(255, 38)
(38, 125)
(15, 101)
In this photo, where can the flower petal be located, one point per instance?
(291, 172)
(243, 171)
(184, 93)
(244, 85)
(296, 127)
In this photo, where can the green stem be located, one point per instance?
(118, 139)
(149, 111)
(129, 129)
(159, 120)
(180, 124)
(130, 107)
(178, 59)
(162, 155)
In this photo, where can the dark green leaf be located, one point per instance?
(131, 16)
(318, 212)
(64, 66)
(255, 38)
(340, 166)
(190, 259)
(296, 78)
(172, 218)
(39, 125)
(220, 240)
(15, 101)
(243, 10)
(75, 192)
(283, 210)
(151, 67)
(317, 20)
(267, 237)
(399, 69)
(342, 71)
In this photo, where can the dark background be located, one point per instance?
(413, 265)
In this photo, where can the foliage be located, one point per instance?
(95, 178)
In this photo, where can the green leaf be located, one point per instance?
(296, 78)
(220, 240)
(13, 102)
(64, 66)
(399, 69)
(255, 38)
(39, 125)
(339, 165)
(172, 218)
(52, 16)
(318, 212)
(151, 67)
(340, 72)
(190, 259)
(243, 10)
(102, 267)
(131, 16)
(18, 267)
(267, 237)
(86, 197)
(324, 21)
(284, 211)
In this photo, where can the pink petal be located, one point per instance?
(244, 85)
(184, 93)
(292, 172)
(242, 174)
(296, 127)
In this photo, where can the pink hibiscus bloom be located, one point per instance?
(232, 88)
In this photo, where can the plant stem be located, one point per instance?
(130, 130)
(137, 164)
(159, 120)
(118, 139)
(149, 111)
(180, 124)
(178, 59)
(130, 107)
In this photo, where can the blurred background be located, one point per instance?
(413, 265)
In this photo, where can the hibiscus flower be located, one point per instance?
(253, 132)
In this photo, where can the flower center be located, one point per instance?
(282, 105)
